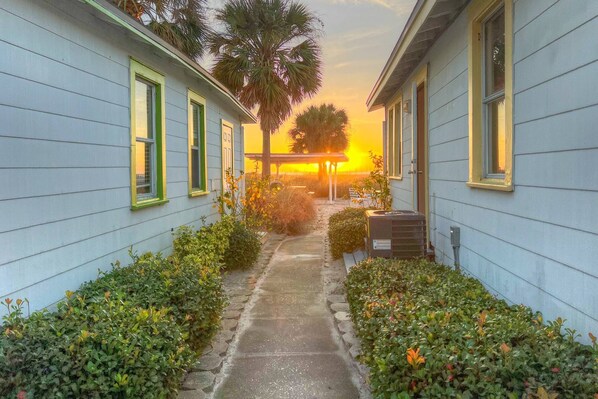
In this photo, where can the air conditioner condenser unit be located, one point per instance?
(396, 234)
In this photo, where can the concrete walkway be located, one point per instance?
(287, 346)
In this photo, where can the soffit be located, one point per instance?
(429, 19)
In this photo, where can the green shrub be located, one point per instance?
(430, 332)
(243, 248)
(347, 213)
(192, 290)
(93, 349)
(189, 282)
(346, 231)
(209, 243)
(131, 333)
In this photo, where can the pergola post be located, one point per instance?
(277, 171)
(329, 182)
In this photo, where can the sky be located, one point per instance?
(356, 41)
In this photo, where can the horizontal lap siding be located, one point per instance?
(537, 245)
(65, 157)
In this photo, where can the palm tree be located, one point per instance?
(268, 56)
(320, 129)
(181, 23)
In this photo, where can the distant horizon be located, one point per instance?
(309, 173)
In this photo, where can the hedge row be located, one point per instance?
(131, 333)
(431, 332)
(346, 231)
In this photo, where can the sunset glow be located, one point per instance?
(357, 37)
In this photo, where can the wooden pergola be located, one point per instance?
(332, 159)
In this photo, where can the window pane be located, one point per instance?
(143, 163)
(390, 145)
(397, 141)
(195, 168)
(144, 100)
(494, 34)
(196, 123)
(496, 137)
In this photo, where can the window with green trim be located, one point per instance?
(148, 169)
(197, 145)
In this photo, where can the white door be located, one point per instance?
(227, 151)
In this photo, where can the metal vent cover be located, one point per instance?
(397, 234)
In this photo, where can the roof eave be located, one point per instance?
(428, 20)
(371, 101)
(124, 20)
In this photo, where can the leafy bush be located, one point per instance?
(93, 349)
(191, 289)
(210, 243)
(258, 202)
(430, 332)
(292, 211)
(189, 282)
(375, 188)
(131, 333)
(346, 231)
(243, 249)
(347, 213)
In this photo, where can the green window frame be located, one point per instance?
(197, 156)
(148, 132)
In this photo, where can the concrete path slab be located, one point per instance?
(289, 377)
(287, 345)
(288, 306)
(287, 335)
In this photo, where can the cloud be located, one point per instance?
(341, 65)
(349, 42)
(400, 7)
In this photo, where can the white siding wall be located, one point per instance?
(537, 245)
(64, 153)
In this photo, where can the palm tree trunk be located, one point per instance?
(265, 154)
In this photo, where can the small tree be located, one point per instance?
(375, 187)
(230, 202)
